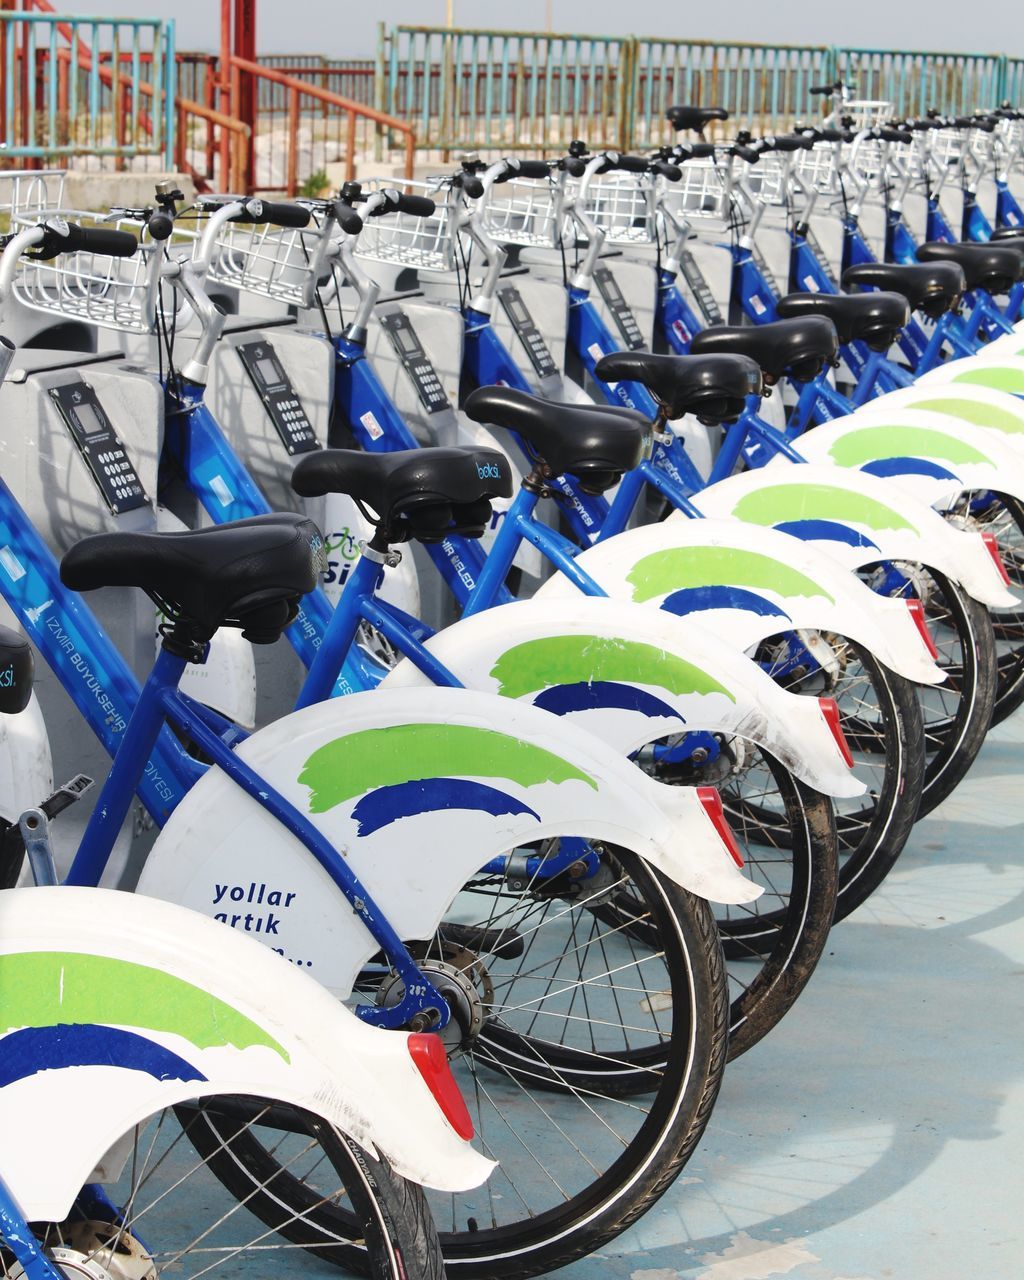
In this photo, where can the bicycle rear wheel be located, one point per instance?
(590, 1062)
(168, 1212)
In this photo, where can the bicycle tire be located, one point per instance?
(674, 1118)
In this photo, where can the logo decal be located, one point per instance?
(700, 567)
(800, 502)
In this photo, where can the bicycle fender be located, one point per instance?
(416, 789)
(981, 406)
(631, 676)
(26, 767)
(858, 519)
(116, 1005)
(746, 584)
(998, 372)
(930, 455)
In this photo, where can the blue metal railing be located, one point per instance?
(86, 86)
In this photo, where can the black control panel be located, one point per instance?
(625, 320)
(526, 330)
(409, 349)
(100, 446)
(700, 288)
(280, 399)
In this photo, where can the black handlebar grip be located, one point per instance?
(532, 169)
(745, 153)
(473, 187)
(893, 135)
(118, 244)
(347, 218)
(628, 164)
(823, 88)
(671, 172)
(575, 166)
(415, 206)
(277, 212)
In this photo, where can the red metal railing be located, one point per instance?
(329, 132)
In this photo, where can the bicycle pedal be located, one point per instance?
(66, 795)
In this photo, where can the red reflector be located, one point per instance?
(830, 710)
(712, 803)
(989, 540)
(921, 622)
(431, 1061)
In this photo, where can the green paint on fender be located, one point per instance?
(999, 377)
(978, 414)
(785, 502)
(680, 568)
(45, 988)
(375, 758)
(869, 443)
(554, 660)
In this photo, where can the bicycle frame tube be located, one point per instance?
(750, 289)
(675, 317)
(378, 428)
(161, 700)
(83, 657)
(591, 339)
(489, 363)
(16, 1235)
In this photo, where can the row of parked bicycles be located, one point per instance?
(519, 881)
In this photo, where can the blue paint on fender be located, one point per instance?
(698, 599)
(563, 699)
(829, 530)
(87, 1044)
(407, 799)
(886, 467)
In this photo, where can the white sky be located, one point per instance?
(340, 28)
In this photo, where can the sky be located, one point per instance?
(342, 29)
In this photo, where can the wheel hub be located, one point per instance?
(463, 981)
(97, 1251)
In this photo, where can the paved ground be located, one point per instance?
(878, 1132)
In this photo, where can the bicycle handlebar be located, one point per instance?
(671, 172)
(615, 160)
(68, 237)
(278, 213)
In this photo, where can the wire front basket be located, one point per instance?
(271, 262)
(701, 192)
(30, 191)
(622, 205)
(524, 211)
(109, 292)
(818, 168)
(426, 243)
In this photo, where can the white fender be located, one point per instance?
(345, 527)
(631, 676)
(980, 406)
(860, 520)
(26, 767)
(226, 681)
(417, 789)
(114, 1006)
(746, 583)
(999, 372)
(931, 455)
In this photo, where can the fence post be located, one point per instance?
(293, 143)
(170, 92)
(379, 90)
(628, 69)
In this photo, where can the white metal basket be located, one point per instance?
(863, 112)
(271, 262)
(622, 205)
(109, 292)
(404, 239)
(701, 192)
(30, 190)
(766, 179)
(818, 168)
(525, 211)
